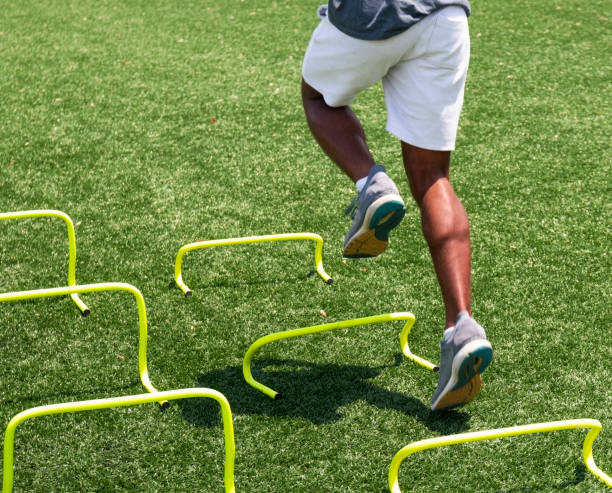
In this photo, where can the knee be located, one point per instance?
(424, 169)
(423, 181)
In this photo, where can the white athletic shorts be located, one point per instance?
(423, 73)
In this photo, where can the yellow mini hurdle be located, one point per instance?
(130, 400)
(71, 244)
(198, 245)
(593, 425)
(288, 334)
(90, 288)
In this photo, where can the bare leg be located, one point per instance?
(444, 223)
(338, 132)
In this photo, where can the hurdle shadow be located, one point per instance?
(579, 476)
(580, 473)
(234, 282)
(89, 393)
(312, 391)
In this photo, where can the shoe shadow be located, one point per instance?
(311, 391)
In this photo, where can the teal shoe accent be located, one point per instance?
(387, 217)
(476, 362)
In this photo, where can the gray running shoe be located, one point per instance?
(462, 360)
(375, 212)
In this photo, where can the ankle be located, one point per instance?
(359, 184)
(449, 333)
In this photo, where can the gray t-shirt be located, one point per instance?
(381, 19)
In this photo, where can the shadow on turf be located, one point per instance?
(311, 391)
(579, 476)
(233, 282)
(85, 394)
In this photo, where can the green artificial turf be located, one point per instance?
(156, 124)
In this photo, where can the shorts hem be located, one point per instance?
(329, 101)
(423, 143)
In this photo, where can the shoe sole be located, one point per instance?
(466, 381)
(380, 218)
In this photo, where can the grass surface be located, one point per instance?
(155, 124)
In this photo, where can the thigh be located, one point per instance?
(340, 66)
(424, 91)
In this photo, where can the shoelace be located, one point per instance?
(352, 208)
